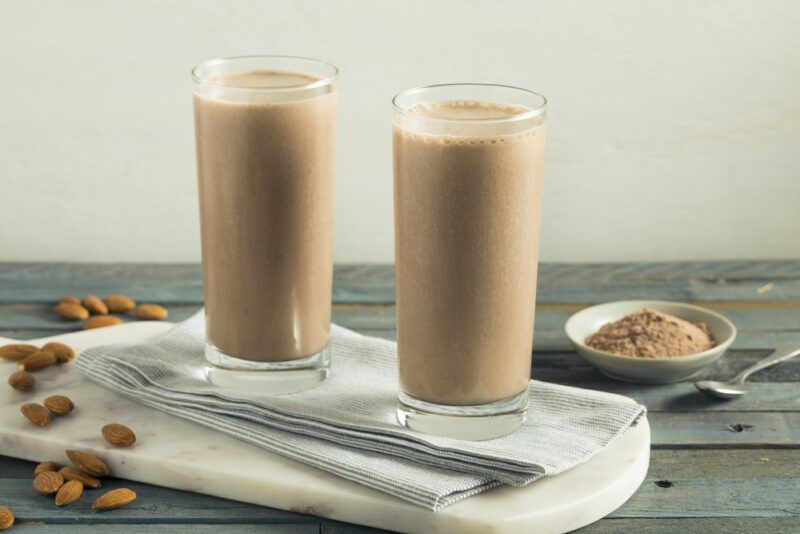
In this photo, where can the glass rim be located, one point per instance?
(534, 112)
(322, 82)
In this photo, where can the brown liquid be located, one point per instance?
(467, 203)
(266, 174)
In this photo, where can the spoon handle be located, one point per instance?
(781, 354)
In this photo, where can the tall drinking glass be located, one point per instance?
(266, 133)
(468, 161)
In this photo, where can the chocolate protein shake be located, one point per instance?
(265, 157)
(467, 191)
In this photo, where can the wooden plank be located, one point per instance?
(16, 468)
(171, 283)
(346, 528)
(711, 280)
(45, 282)
(372, 284)
(717, 484)
(757, 328)
(664, 464)
(713, 525)
(560, 367)
(37, 527)
(771, 497)
(566, 368)
(26, 321)
(667, 464)
(154, 504)
(22, 333)
(684, 397)
(559, 283)
(549, 365)
(727, 429)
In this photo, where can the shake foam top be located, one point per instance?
(264, 79)
(467, 110)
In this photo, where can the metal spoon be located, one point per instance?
(735, 386)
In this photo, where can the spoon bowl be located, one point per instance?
(735, 386)
(723, 390)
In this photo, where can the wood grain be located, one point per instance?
(153, 504)
(757, 328)
(374, 284)
(38, 527)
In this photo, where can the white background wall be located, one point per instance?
(674, 124)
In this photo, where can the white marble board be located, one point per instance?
(183, 455)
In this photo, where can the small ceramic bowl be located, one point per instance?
(648, 370)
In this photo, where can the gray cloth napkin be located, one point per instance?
(347, 425)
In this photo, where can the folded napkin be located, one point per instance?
(347, 425)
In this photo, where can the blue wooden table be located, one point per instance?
(716, 466)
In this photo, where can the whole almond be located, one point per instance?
(119, 303)
(36, 413)
(114, 499)
(22, 380)
(41, 359)
(73, 473)
(94, 305)
(48, 482)
(17, 351)
(70, 492)
(69, 299)
(119, 435)
(6, 518)
(150, 312)
(59, 404)
(73, 312)
(99, 321)
(88, 463)
(46, 466)
(63, 353)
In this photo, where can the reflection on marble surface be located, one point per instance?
(179, 454)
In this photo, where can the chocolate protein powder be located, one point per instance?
(652, 334)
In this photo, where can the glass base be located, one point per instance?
(276, 378)
(476, 422)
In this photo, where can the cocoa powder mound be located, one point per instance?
(652, 334)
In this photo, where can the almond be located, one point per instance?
(48, 482)
(114, 499)
(88, 463)
(119, 303)
(6, 518)
(70, 492)
(99, 321)
(59, 404)
(73, 312)
(16, 351)
(119, 435)
(36, 413)
(73, 473)
(22, 380)
(94, 305)
(63, 353)
(150, 312)
(69, 299)
(46, 466)
(37, 361)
